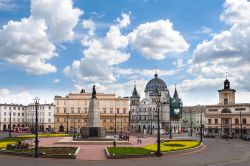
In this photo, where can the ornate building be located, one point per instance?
(143, 113)
(228, 117)
(71, 112)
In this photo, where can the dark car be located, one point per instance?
(246, 137)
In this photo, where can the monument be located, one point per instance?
(93, 128)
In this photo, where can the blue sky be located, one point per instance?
(59, 46)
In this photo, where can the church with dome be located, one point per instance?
(143, 112)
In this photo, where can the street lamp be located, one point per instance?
(157, 97)
(170, 125)
(241, 134)
(67, 123)
(201, 125)
(36, 101)
(10, 125)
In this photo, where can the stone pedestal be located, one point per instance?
(96, 132)
(93, 128)
(94, 114)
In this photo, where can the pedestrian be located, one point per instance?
(128, 138)
(114, 143)
(138, 140)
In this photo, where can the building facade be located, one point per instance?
(143, 113)
(228, 117)
(71, 112)
(13, 116)
(192, 118)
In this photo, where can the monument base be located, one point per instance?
(92, 132)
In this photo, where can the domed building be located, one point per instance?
(143, 113)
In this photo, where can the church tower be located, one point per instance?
(135, 98)
(226, 95)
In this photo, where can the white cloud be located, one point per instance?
(29, 43)
(179, 63)
(133, 73)
(124, 21)
(25, 44)
(227, 51)
(155, 40)
(59, 16)
(236, 12)
(90, 25)
(4, 92)
(22, 97)
(204, 30)
(55, 81)
(100, 55)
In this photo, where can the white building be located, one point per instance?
(24, 116)
(143, 114)
(14, 113)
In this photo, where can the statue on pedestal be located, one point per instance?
(93, 93)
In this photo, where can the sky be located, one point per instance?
(54, 47)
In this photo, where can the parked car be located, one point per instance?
(226, 136)
(209, 135)
(246, 137)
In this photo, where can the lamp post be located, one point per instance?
(10, 125)
(158, 102)
(67, 123)
(121, 125)
(191, 123)
(157, 97)
(74, 127)
(201, 125)
(241, 134)
(170, 126)
(115, 117)
(36, 101)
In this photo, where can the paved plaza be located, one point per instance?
(219, 152)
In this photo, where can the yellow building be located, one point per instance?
(71, 112)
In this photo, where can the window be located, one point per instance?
(79, 120)
(14, 114)
(104, 110)
(65, 110)
(4, 113)
(209, 121)
(65, 119)
(85, 110)
(244, 121)
(111, 110)
(79, 110)
(49, 107)
(49, 120)
(58, 120)
(72, 110)
(124, 110)
(236, 121)
(18, 114)
(57, 109)
(117, 110)
(226, 101)
(22, 114)
(216, 121)
(49, 113)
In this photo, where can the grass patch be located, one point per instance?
(173, 145)
(44, 135)
(128, 150)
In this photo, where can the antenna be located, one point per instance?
(134, 83)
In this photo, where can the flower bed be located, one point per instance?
(173, 145)
(45, 152)
(44, 135)
(5, 142)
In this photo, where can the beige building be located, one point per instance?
(228, 117)
(71, 112)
